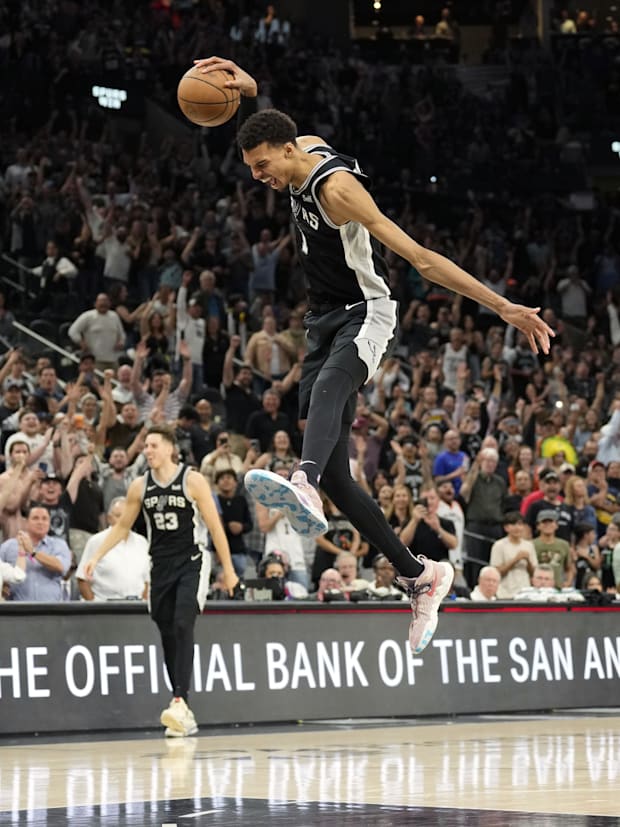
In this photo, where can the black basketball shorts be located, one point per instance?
(371, 326)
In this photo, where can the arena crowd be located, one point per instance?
(141, 245)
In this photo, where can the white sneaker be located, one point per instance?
(300, 499)
(190, 727)
(178, 719)
(426, 591)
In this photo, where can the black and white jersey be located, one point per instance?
(342, 264)
(174, 525)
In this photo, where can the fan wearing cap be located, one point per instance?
(411, 466)
(604, 497)
(58, 502)
(565, 471)
(12, 372)
(11, 401)
(550, 485)
(30, 427)
(552, 549)
(513, 556)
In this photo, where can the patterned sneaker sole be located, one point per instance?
(442, 589)
(281, 493)
(170, 721)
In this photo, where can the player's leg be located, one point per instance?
(272, 490)
(364, 512)
(358, 339)
(427, 582)
(345, 348)
(180, 718)
(163, 599)
(330, 394)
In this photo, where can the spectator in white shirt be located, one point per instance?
(609, 441)
(488, 583)
(574, 294)
(12, 574)
(450, 509)
(125, 572)
(16, 174)
(514, 557)
(99, 331)
(192, 328)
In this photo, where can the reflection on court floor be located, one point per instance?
(531, 766)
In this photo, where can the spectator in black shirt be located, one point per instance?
(426, 530)
(59, 503)
(236, 517)
(213, 352)
(241, 401)
(87, 515)
(204, 431)
(263, 425)
(11, 401)
(551, 501)
(186, 422)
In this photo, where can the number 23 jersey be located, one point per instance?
(174, 525)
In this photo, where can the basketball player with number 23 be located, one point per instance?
(351, 322)
(179, 510)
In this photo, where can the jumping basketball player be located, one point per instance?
(178, 508)
(351, 322)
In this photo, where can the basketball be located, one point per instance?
(204, 99)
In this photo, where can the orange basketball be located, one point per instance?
(204, 99)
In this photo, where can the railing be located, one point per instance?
(66, 354)
(24, 275)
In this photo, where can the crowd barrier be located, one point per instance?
(76, 667)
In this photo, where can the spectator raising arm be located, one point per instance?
(228, 370)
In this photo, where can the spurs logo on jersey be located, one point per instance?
(174, 525)
(304, 215)
(342, 264)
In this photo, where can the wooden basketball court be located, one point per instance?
(547, 770)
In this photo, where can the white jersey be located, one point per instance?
(283, 537)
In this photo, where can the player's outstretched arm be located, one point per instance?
(119, 531)
(345, 199)
(198, 489)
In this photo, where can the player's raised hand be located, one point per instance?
(527, 320)
(240, 79)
